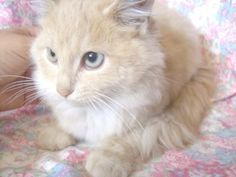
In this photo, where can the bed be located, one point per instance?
(213, 155)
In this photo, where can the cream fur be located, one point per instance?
(151, 94)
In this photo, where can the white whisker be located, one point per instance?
(118, 115)
(20, 93)
(121, 106)
(16, 76)
(14, 86)
(32, 98)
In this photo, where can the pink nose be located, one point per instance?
(64, 92)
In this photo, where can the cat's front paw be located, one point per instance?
(53, 138)
(107, 164)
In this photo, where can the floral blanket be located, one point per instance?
(214, 155)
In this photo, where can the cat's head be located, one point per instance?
(87, 49)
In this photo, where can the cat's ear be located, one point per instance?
(131, 12)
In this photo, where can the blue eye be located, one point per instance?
(51, 55)
(93, 60)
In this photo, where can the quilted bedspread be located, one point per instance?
(213, 155)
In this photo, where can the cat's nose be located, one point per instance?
(64, 92)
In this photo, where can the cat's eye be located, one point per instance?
(51, 55)
(93, 60)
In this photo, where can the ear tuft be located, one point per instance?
(132, 12)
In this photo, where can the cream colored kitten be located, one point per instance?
(127, 76)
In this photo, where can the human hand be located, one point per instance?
(14, 65)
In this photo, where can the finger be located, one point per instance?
(10, 104)
(16, 99)
(18, 59)
(29, 31)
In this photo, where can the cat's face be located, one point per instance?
(89, 48)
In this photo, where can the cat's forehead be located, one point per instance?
(79, 18)
(80, 10)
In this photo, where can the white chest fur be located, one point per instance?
(88, 124)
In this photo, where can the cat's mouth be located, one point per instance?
(78, 101)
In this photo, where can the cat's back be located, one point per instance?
(180, 43)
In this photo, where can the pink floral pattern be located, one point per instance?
(17, 13)
(213, 155)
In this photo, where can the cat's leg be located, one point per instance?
(51, 137)
(116, 157)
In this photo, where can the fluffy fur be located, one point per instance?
(151, 93)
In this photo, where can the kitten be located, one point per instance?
(129, 77)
